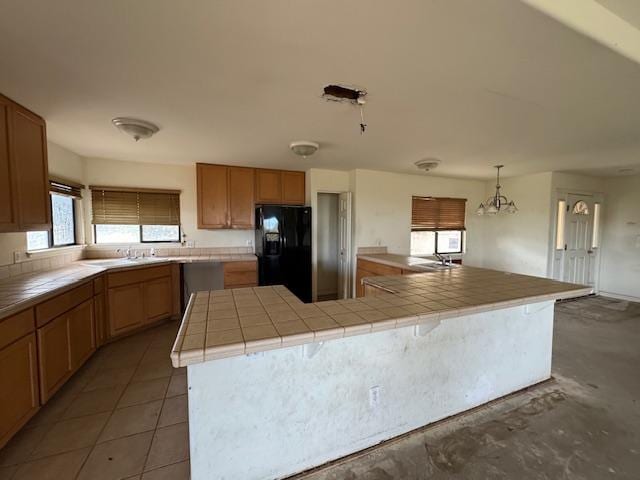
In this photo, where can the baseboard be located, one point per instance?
(617, 296)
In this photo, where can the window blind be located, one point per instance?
(430, 213)
(65, 187)
(112, 206)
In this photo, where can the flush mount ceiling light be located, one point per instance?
(135, 128)
(427, 164)
(304, 148)
(498, 203)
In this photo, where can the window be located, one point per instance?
(135, 215)
(437, 225)
(63, 217)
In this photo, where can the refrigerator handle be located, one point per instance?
(283, 236)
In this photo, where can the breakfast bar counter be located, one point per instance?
(332, 378)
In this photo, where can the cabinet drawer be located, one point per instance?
(56, 306)
(16, 326)
(240, 267)
(234, 279)
(98, 285)
(138, 275)
(378, 268)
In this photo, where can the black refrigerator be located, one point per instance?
(283, 247)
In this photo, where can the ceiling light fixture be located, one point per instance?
(135, 128)
(304, 148)
(497, 203)
(427, 164)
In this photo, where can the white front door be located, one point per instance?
(579, 255)
(344, 245)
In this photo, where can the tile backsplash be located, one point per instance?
(57, 258)
(42, 261)
(94, 252)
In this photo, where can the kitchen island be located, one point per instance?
(277, 386)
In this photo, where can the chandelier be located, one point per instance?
(497, 203)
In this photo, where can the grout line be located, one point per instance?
(115, 408)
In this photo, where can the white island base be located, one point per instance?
(276, 413)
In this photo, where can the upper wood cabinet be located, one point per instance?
(283, 187)
(24, 178)
(268, 186)
(213, 197)
(225, 196)
(241, 193)
(293, 188)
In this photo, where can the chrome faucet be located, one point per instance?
(444, 261)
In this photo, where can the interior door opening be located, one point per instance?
(328, 246)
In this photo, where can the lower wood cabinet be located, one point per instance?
(53, 356)
(366, 268)
(82, 334)
(140, 296)
(18, 386)
(64, 344)
(158, 299)
(99, 307)
(240, 274)
(126, 308)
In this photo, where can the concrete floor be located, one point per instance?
(583, 425)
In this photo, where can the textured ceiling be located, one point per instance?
(471, 83)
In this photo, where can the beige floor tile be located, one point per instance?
(143, 392)
(132, 420)
(177, 385)
(94, 401)
(71, 435)
(6, 473)
(174, 410)
(117, 459)
(110, 378)
(54, 409)
(153, 370)
(156, 354)
(20, 447)
(57, 467)
(170, 445)
(177, 471)
(123, 359)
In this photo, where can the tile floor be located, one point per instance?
(122, 416)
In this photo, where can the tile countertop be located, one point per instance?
(24, 291)
(400, 261)
(225, 323)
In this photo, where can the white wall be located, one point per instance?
(105, 172)
(63, 163)
(327, 246)
(383, 208)
(520, 243)
(620, 263)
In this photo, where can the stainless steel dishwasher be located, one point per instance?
(200, 276)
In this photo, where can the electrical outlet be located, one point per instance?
(374, 397)
(19, 257)
(191, 243)
(249, 243)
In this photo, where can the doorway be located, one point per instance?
(333, 278)
(577, 242)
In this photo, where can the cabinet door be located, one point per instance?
(82, 334)
(29, 154)
(293, 188)
(8, 212)
(126, 308)
(53, 356)
(241, 195)
(268, 186)
(158, 299)
(213, 202)
(18, 386)
(98, 314)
